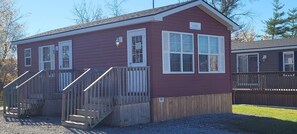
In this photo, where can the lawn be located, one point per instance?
(1, 103)
(265, 119)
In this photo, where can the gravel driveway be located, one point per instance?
(213, 124)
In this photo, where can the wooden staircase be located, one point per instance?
(26, 107)
(24, 96)
(94, 116)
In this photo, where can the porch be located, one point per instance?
(265, 88)
(82, 98)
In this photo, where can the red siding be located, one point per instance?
(188, 84)
(98, 50)
(90, 50)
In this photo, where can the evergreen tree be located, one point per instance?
(276, 26)
(292, 22)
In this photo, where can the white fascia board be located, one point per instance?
(87, 30)
(263, 49)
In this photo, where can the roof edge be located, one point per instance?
(232, 26)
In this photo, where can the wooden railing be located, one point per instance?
(30, 93)
(72, 94)
(265, 81)
(118, 85)
(10, 92)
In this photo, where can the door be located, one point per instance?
(65, 64)
(47, 57)
(248, 63)
(136, 45)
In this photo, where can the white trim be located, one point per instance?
(60, 45)
(30, 57)
(284, 64)
(221, 63)
(181, 53)
(158, 17)
(246, 54)
(264, 49)
(141, 31)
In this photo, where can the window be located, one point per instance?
(288, 61)
(211, 57)
(178, 52)
(27, 55)
(46, 58)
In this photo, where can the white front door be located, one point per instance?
(136, 43)
(47, 57)
(65, 63)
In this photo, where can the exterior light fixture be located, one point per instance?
(119, 41)
(264, 58)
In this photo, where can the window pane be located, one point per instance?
(214, 62)
(28, 61)
(175, 63)
(203, 44)
(65, 56)
(137, 49)
(27, 53)
(289, 68)
(214, 45)
(203, 63)
(187, 43)
(175, 42)
(289, 58)
(46, 54)
(187, 62)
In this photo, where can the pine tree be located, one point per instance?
(276, 26)
(292, 22)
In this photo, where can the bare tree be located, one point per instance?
(115, 7)
(87, 12)
(246, 34)
(10, 29)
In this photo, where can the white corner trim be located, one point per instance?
(263, 49)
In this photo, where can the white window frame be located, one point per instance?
(284, 64)
(221, 55)
(29, 57)
(181, 53)
(52, 55)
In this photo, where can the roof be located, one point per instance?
(150, 15)
(264, 45)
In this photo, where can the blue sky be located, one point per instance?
(44, 15)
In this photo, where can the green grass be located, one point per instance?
(265, 119)
(1, 103)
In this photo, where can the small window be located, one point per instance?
(27, 55)
(211, 54)
(178, 52)
(288, 61)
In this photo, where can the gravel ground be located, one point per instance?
(205, 124)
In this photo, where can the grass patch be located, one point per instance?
(282, 113)
(1, 103)
(265, 119)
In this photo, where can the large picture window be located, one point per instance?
(211, 57)
(178, 52)
(288, 61)
(27, 55)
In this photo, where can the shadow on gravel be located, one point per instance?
(36, 120)
(263, 125)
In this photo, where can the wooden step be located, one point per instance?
(79, 118)
(90, 112)
(10, 114)
(74, 124)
